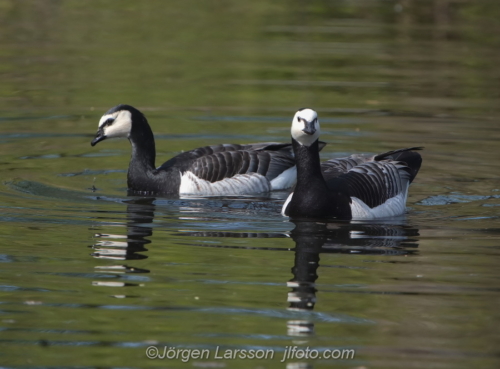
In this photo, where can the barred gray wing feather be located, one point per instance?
(377, 181)
(337, 167)
(215, 165)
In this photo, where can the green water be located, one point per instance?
(91, 278)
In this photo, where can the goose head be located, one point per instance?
(305, 127)
(116, 122)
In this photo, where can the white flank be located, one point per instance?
(286, 204)
(285, 180)
(243, 184)
(392, 207)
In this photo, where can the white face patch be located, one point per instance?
(300, 122)
(120, 124)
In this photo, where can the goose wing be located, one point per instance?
(217, 162)
(408, 156)
(373, 179)
(227, 164)
(376, 182)
(336, 167)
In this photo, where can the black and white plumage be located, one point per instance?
(355, 187)
(218, 170)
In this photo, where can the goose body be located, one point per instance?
(355, 187)
(217, 170)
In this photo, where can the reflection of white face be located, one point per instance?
(305, 127)
(117, 124)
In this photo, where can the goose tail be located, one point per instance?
(408, 156)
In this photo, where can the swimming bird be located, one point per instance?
(354, 187)
(217, 170)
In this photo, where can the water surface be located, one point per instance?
(91, 277)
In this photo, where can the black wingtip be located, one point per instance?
(408, 156)
(388, 154)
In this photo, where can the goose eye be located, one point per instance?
(109, 121)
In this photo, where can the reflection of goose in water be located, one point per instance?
(347, 238)
(310, 238)
(140, 215)
(313, 238)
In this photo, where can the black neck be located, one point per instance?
(143, 149)
(308, 164)
(313, 197)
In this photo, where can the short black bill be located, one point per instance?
(310, 127)
(100, 136)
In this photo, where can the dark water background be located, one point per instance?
(92, 278)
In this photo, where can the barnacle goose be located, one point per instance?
(355, 187)
(218, 170)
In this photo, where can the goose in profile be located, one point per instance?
(218, 170)
(354, 187)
